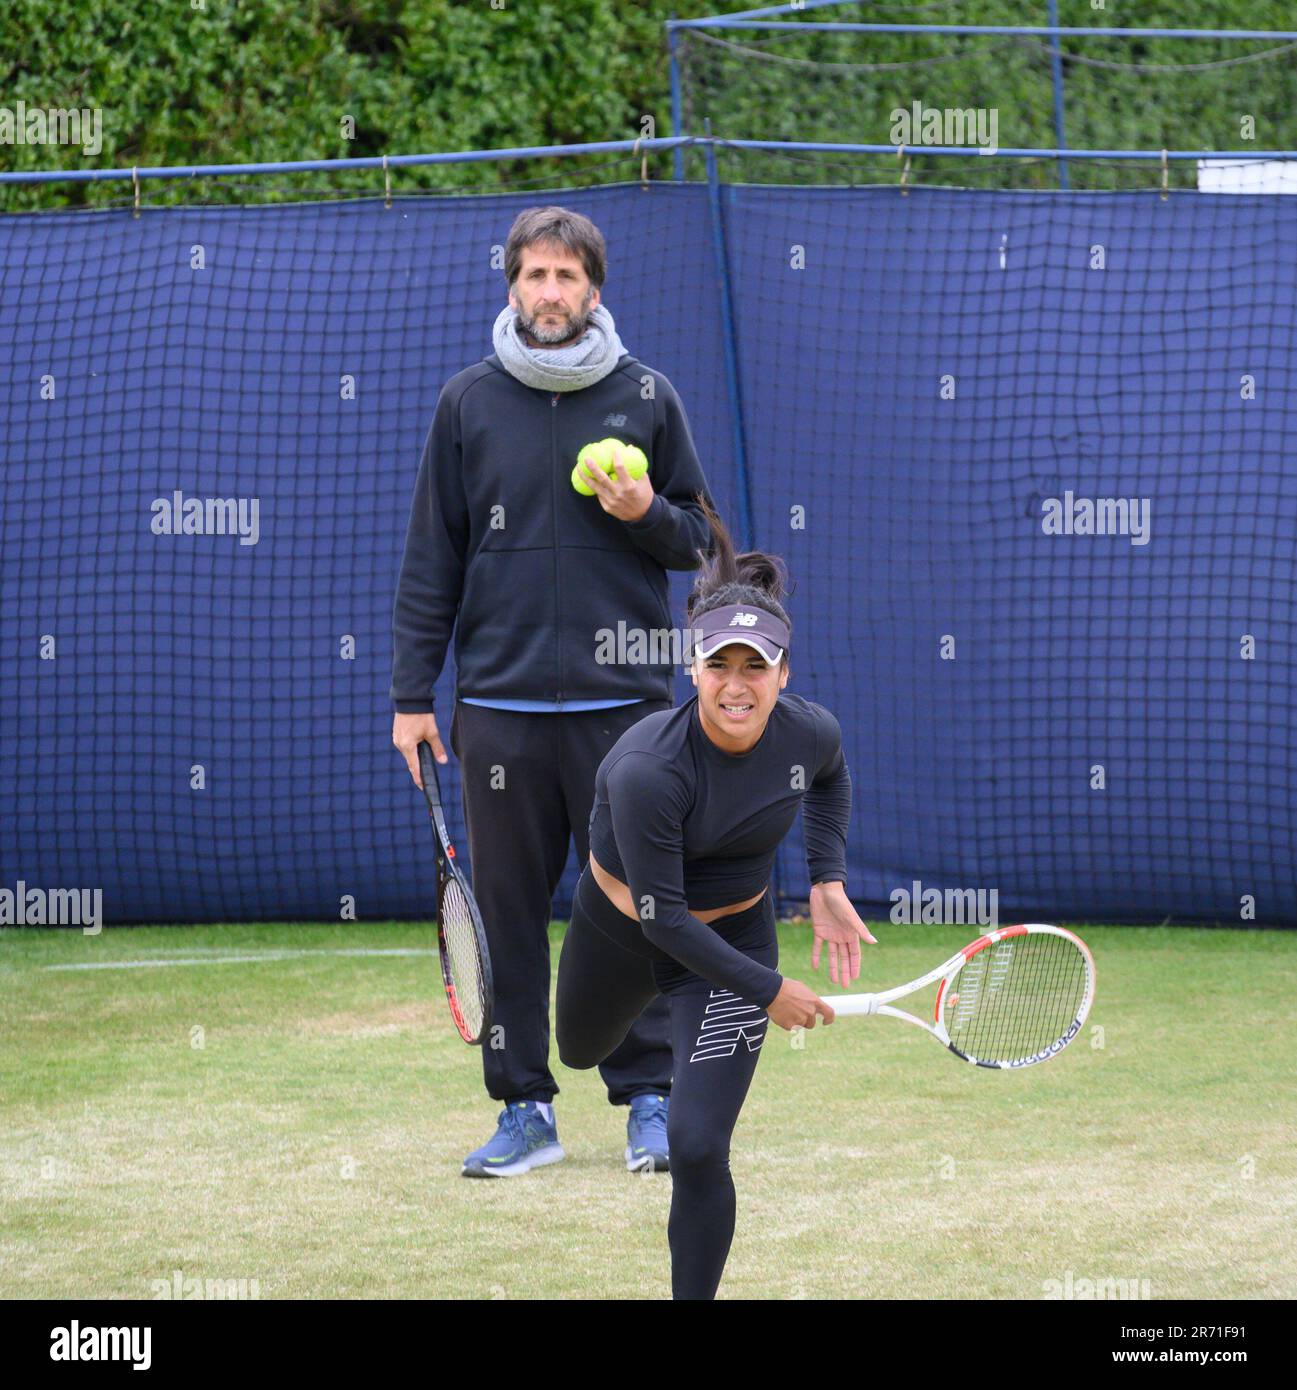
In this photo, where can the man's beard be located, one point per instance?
(559, 334)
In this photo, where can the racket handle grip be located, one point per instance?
(845, 1005)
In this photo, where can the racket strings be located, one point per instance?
(1018, 997)
(1041, 1004)
(463, 960)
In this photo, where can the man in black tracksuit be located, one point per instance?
(536, 578)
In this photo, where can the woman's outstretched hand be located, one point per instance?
(835, 921)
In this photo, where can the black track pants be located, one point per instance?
(528, 788)
(716, 1039)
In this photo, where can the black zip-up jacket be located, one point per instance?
(501, 541)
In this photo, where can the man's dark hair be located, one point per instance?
(567, 229)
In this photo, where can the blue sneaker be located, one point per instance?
(524, 1140)
(646, 1135)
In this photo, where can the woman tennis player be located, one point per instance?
(690, 805)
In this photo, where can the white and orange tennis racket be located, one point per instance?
(461, 937)
(1010, 999)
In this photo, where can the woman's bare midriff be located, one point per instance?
(619, 894)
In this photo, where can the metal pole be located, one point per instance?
(402, 161)
(1056, 65)
(677, 117)
(729, 337)
(1072, 31)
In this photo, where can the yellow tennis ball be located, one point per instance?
(634, 459)
(600, 455)
(597, 456)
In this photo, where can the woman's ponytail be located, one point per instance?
(753, 577)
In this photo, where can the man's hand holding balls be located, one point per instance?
(617, 474)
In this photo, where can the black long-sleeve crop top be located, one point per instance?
(680, 821)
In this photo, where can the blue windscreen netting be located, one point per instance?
(1095, 723)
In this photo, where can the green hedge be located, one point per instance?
(182, 82)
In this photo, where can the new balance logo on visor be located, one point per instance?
(743, 620)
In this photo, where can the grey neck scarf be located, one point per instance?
(571, 367)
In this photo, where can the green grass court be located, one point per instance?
(298, 1120)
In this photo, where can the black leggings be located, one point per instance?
(716, 1038)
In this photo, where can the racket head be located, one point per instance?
(465, 960)
(461, 935)
(1016, 997)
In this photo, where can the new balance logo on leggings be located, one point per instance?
(728, 1021)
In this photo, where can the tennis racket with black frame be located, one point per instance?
(1010, 999)
(461, 937)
